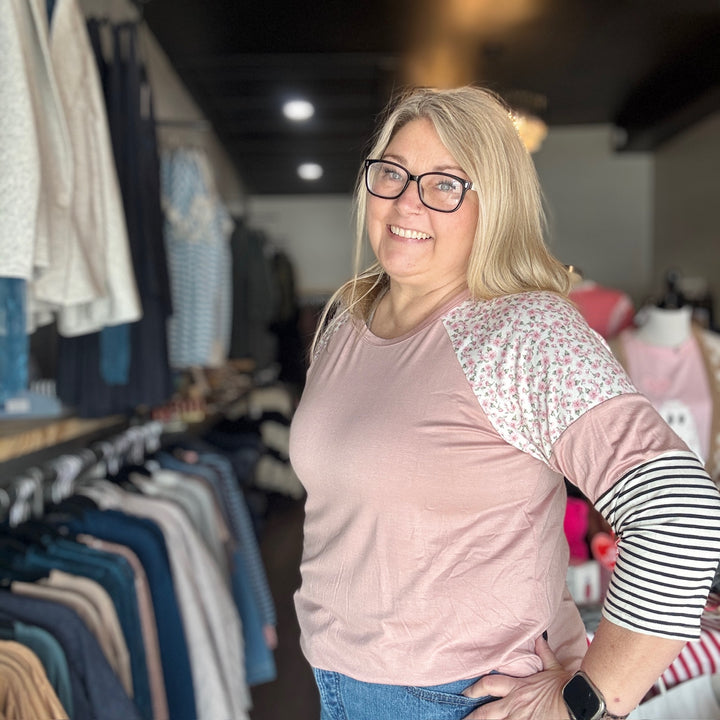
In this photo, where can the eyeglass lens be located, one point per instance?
(439, 191)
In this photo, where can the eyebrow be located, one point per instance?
(442, 168)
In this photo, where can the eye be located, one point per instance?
(447, 185)
(391, 173)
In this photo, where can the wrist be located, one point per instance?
(584, 701)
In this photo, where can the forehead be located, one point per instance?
(418, 142)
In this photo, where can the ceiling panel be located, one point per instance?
(652, 68)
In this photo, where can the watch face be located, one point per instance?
(582, 700)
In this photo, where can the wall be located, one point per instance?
(315, 231)
(599, 204)
(687, 206)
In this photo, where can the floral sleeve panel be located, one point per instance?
(335, 323)
(534, 365)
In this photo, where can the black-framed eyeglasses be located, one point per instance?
(438, 191)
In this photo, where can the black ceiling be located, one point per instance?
(649, 67)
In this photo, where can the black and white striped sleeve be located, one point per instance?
(666, 514)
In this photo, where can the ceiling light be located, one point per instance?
(527, 107)
(532, 130)
(310, 171)
(298, 110)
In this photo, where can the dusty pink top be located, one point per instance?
(434, 462)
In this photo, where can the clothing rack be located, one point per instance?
(146, 485)
(28, 483)
(50, 504)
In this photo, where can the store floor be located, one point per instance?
(293, 694)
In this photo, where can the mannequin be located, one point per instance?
(676, 364)
(665, 327)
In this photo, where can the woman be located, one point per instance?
(452, 388)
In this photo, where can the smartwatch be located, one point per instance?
(584, 701)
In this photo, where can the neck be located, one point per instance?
(399, 312)
(665, 328)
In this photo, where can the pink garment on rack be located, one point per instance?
(606, 310)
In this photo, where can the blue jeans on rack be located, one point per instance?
(342, 698)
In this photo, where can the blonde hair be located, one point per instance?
(509, 254)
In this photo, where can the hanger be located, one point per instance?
(24, 525)
(70, 470)
(62, 472)
(108, 457)
(26, 496)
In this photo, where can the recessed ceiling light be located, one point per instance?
(310, 171)
(298, 110)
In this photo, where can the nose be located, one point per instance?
(410, 196)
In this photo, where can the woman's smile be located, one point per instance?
(408, 234)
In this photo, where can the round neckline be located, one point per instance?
(452, 302)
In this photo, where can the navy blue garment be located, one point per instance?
(146, 540)
(100, 694)
(115, 574)
(85, 362)
(82, 709)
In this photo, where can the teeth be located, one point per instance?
(411, 234)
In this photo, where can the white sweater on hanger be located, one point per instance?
(64, 230)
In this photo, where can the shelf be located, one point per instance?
(22, 437)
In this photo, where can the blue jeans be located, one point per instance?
(342, 698)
